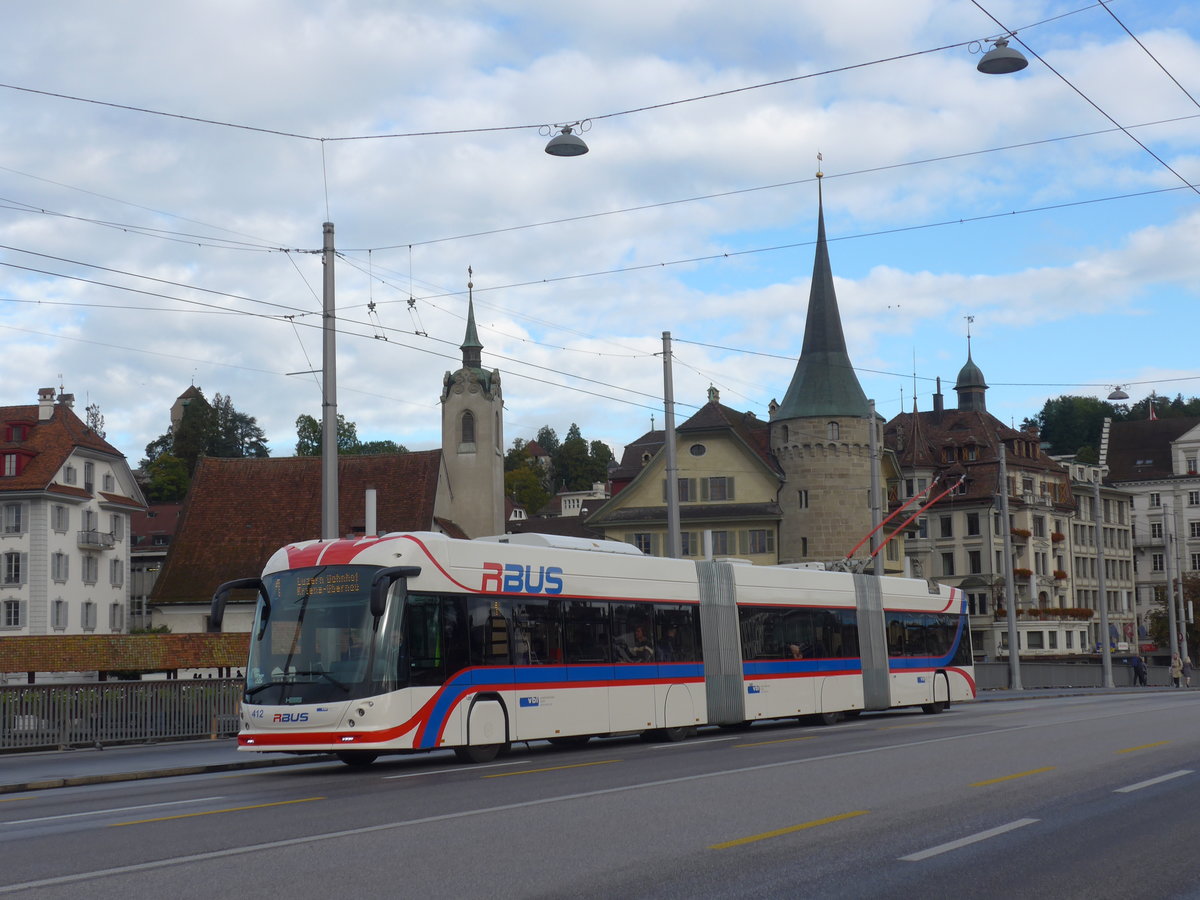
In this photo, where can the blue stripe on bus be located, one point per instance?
(801, 666)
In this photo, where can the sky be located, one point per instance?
(165, 170)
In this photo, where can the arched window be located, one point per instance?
(468, 427)
(835, 431)
(783, 433)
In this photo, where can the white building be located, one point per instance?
(66, 496)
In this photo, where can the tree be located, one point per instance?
(1069, 424)
(169, 479)
(309, 440)
(1160, 627)
(571, 469)
(204, 429)
(524, 486)
(235, 434)
(193, 436)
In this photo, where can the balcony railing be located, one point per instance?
(96, 540)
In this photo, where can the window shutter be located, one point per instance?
(692, 489)
(24, 568)
(729, 488)
(743, 542)
(704, 489)
(656, 544)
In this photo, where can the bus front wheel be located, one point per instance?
(357, 759)
(934, 708)
(478, 753)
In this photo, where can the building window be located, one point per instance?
(1155, 500)
(1035, 640)
(1196, 562)
(1156, 531)
(110, 483)
(1053, 636)
(946, 526)
(975, 562)
(12, 613)
(1194, 529)
(700, 449)
(116, 618)
(689, 544)
(644, 541)
(69, 475)
(89, 476)
(947, 563)
(972, 524)
(60, 566)
(720, 543)
(834, 430)
(1156, 562)
(718, 488)
(760, 540)
(60, 519)
(14, 519)
(116, 572)
(116, 524)
(467, 424)
(87, 618)
(14, 570)
(802, 497)
(1193, 498)
(91, 568)
(1039, 526)
(1189, 463)
(10, 464)
(58, 615)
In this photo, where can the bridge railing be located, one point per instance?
(98, 713)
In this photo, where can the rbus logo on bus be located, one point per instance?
(515, 579)
(290, 717)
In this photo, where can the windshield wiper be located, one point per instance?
(330, 678)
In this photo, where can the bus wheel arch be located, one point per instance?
(487, 721)
(940, 698)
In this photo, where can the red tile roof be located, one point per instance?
(121, 652)
(50, 443)
(240, 511)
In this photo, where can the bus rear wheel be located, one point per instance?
(667, 735)
(357, 759)
(478, 753)
(934, 708)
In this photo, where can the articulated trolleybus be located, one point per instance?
(408, 642)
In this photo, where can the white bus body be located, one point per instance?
(476, 644)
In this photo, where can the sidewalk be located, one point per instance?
(68, 768)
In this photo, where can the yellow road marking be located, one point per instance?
(1011, 777)
(909, 725)
(602, 762)
(213, 812)
(779, 741)
(1143, 747)
(791, 829)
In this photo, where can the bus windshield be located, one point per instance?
(319, 642)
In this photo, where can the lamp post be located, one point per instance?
(1102, 600)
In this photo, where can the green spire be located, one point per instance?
(824, 383)
(471, 346)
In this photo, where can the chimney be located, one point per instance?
(371, 528)
(67, 400)
(45, 403)
(938, 406)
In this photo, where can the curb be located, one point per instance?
(114, 777)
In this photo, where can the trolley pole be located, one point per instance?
(1102, 600)
(673, 545)
(1010, 593)
(329, 448)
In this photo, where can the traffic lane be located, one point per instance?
(603, 806)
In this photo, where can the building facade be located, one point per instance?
(66, 496)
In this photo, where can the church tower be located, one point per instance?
(820, 433)
(471, 491)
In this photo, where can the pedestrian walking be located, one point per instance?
(1187, 672)
(1139, 671)
(1176, 669)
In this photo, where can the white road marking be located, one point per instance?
(970, 839)
(515, 762)
(1159, 780)
(100, 812)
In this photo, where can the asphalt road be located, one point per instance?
(1072, 797)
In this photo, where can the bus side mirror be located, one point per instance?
(382, 583)
(216, 615)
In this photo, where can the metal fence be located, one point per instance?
(996, 675)
(73, 715)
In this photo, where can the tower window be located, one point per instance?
(468, 427)
(834, 430)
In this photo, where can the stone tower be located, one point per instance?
(472, 490)
(820, 433)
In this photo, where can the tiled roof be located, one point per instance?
(50, 443)
(1142, 449)
(240, 511)
(121, 652)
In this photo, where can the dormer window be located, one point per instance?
(17, 432)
